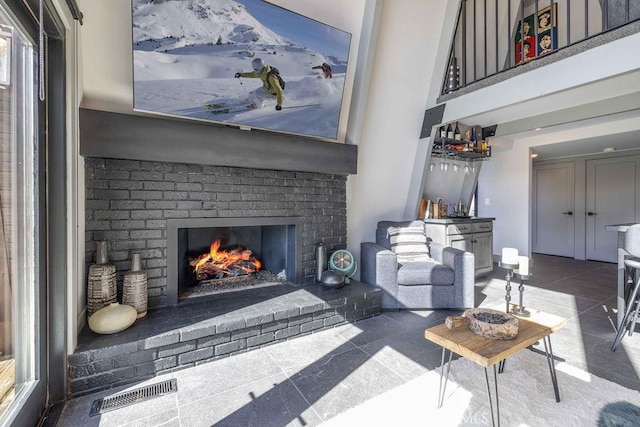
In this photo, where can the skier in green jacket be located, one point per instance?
(270, 84)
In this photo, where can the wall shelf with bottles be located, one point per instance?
(460, 149)
(451, 143)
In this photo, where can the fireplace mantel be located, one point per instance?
(135, 137)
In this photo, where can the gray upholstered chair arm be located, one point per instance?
(463, 264)
(379, 267)
(435, 250)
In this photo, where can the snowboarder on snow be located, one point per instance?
(270, 84)
(326, 70)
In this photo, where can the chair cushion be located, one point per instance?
(425, 273)
(409, 244)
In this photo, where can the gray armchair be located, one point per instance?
(446, 280)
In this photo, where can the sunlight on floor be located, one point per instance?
(573, 371)
(415, 400)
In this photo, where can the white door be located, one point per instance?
(611, 199)
(553, 218)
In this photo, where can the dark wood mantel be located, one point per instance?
(135, 137)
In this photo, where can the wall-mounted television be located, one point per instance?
(195, 59)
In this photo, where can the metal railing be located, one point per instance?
(493, 36)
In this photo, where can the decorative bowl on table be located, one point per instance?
(492, 324)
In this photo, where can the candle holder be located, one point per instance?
(519, 310)
(508, 277)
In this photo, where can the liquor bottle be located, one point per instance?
(473, 138)
(443, 132)
(449, 131)
(456, 133)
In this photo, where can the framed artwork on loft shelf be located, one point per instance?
(536, 41)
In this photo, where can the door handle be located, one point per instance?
(591, 213)
(567, 213)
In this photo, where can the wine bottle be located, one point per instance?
(456, 133)
(449, 131)
(473, 138)
(443, 132)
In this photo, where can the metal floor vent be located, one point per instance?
(141, 394)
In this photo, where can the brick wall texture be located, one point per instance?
(128, 203)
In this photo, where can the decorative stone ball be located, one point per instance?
(332, 279)
(112, 319)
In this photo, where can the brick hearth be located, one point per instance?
(200, 330)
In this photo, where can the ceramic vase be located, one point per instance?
(134, 287)
(101, 289)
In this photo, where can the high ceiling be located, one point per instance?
(619, 132)
(596, 145)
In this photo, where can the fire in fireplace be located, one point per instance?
(220, 264)
(244, 252)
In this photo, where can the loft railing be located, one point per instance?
(489, 33)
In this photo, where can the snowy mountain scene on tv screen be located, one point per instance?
(245, 62)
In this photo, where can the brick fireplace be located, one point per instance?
(181, 174)
(131, 204)
(149, 207)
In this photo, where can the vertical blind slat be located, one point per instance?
(586, 16)
(463, 65)
(485, 37)
(496, 35)
(568, 22)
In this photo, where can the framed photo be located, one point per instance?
(5, 58)
(545, 27)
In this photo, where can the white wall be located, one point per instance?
(503, 194)
(407, 60)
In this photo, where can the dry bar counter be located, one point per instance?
(473, 235)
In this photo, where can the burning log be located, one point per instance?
(219, 263)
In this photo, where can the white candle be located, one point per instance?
(523, 265)
(510, 256)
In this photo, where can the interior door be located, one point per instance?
(611, 199)
(554, 209)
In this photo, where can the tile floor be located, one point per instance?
(308, 380)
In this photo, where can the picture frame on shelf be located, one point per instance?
(536, 35)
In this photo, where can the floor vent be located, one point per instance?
(127, 398)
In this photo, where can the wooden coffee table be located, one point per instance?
(489, 352)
